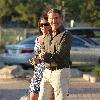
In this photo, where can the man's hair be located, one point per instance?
(54, 10)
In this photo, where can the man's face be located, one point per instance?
(55, 20)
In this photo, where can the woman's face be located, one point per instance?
(44, 26)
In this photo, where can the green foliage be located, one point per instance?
(85, 68)
(89, 13)
(73, 9)
(29, 11)
(96, 71)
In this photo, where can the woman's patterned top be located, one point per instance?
(38, 69)
(38, 47)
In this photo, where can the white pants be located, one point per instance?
(56, 81)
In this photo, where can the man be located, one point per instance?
(56, 58)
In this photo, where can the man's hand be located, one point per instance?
(48, 57)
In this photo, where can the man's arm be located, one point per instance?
(66, 44)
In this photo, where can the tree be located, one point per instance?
(89, 13)
(6, 10)
(29, 11)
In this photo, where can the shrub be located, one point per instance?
(96, 71)
(85, 68)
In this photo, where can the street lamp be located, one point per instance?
(72, 23)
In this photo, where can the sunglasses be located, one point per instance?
(44, 24)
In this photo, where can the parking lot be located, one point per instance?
(79, 89)
(13, 89)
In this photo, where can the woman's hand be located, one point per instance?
(33, 61)
(41, 55)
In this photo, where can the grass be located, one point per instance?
(96, 71)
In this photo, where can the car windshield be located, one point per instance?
(30, 40)
(95, 32)
(91, 41)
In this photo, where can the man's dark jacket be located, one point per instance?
(58, 48)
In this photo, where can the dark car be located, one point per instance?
(88, 32)
(19, 53)
(84, 51)
(85, 31)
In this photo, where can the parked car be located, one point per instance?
(19, 53)
(85, 31)
(83, 50)
(89, 32)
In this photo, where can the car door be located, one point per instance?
(81, 52)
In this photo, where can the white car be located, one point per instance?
(19, 53)
(83, 50)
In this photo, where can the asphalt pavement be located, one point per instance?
(79, 89)
(13, 89)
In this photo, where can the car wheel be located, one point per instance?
(7, 64)
(26, 67)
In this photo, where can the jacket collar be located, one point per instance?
(60, 29)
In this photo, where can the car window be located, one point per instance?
(90, 41)
(86, 32)
(77, 42)
(28, 41)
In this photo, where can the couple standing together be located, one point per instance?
(52, 59)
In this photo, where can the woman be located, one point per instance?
(44, 28)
